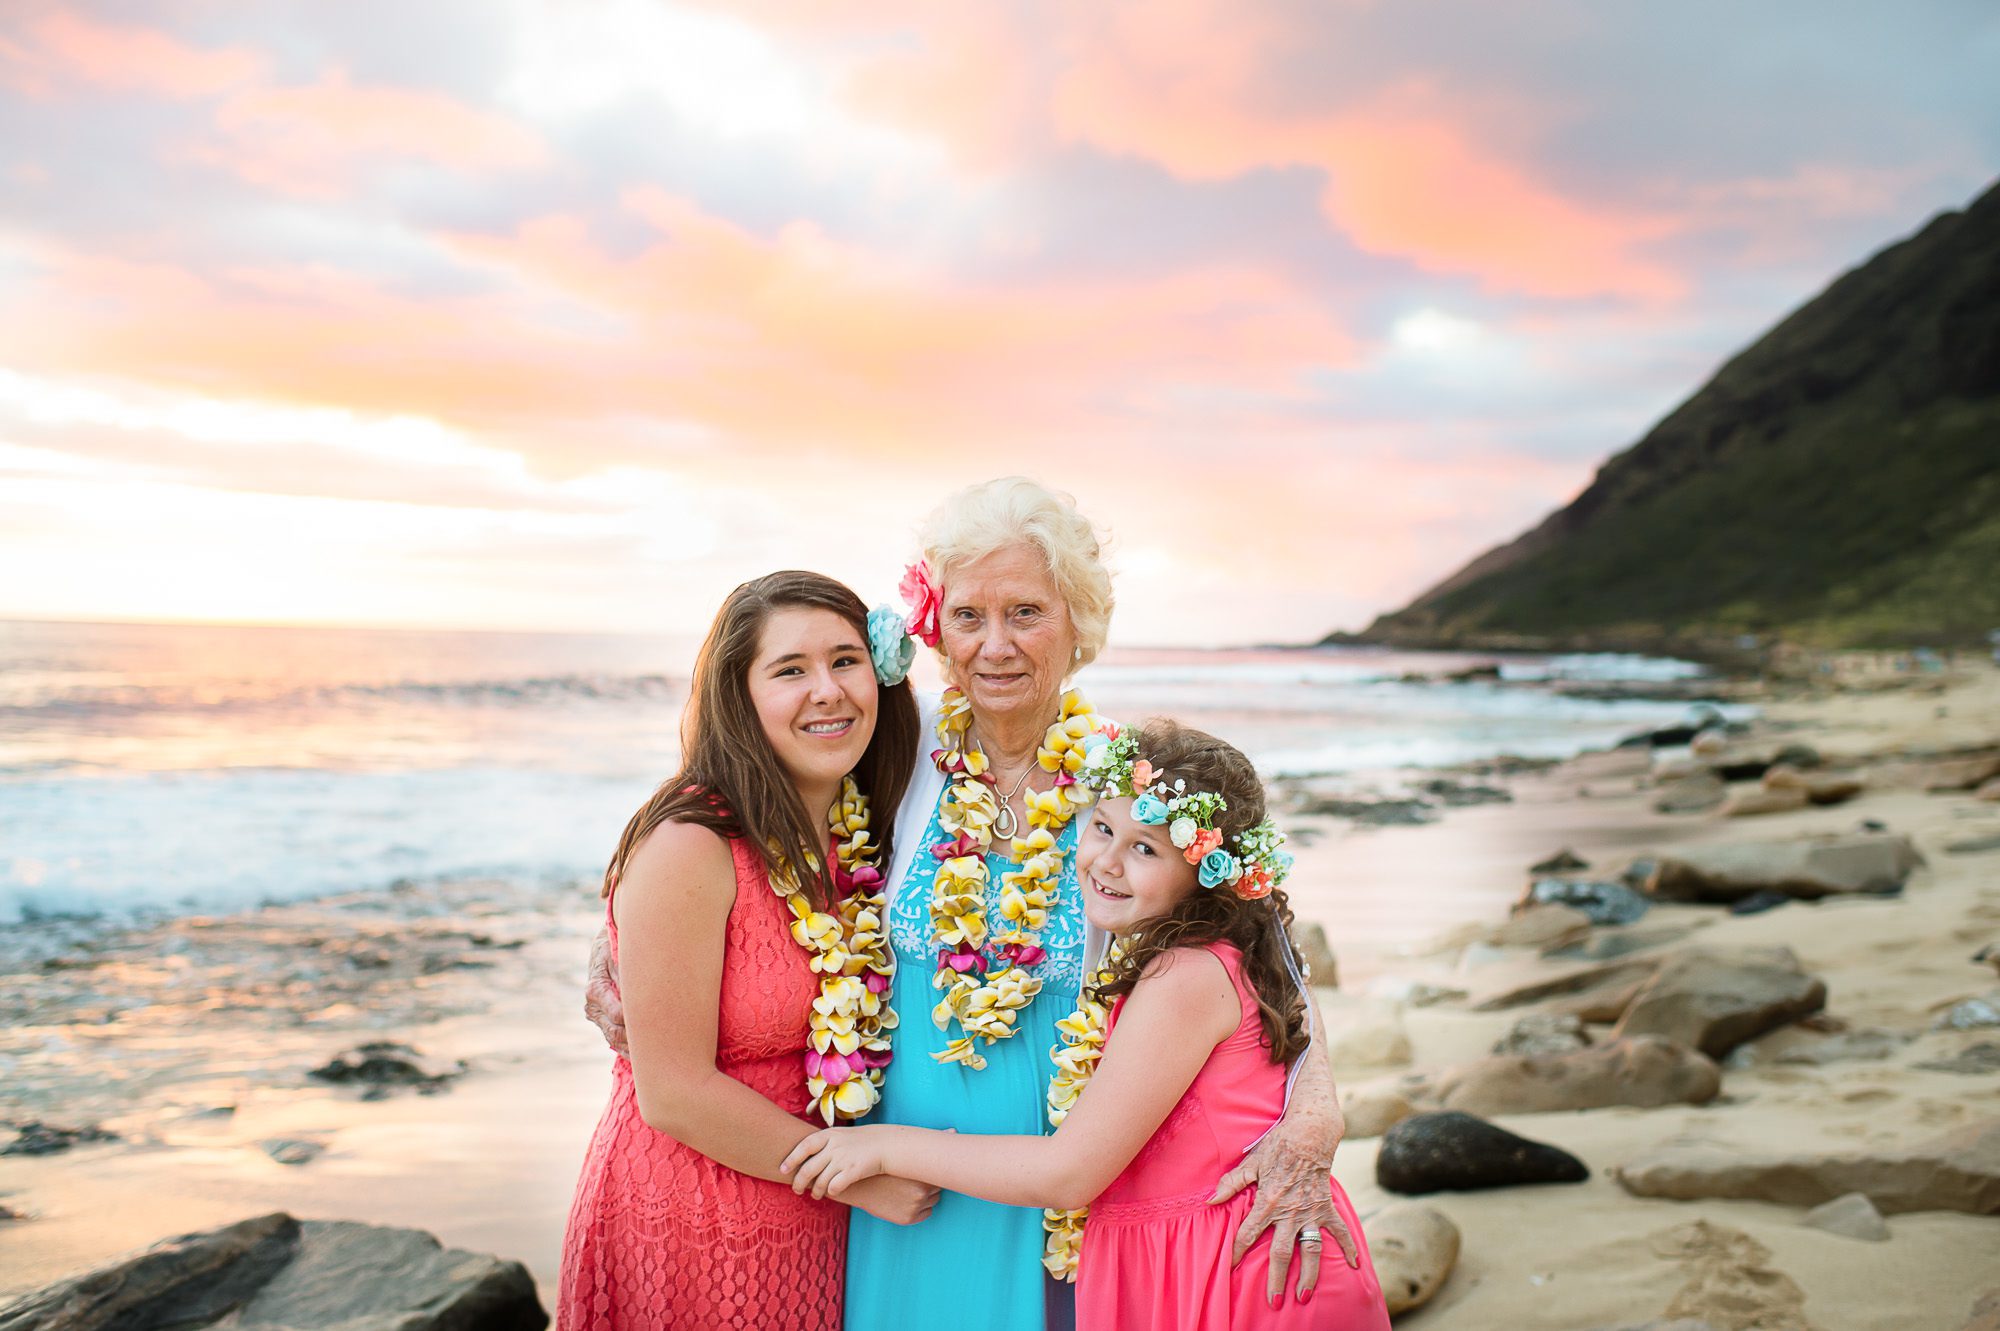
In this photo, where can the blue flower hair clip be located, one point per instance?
(890, 645)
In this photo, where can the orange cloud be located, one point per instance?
(133, 58)
(711, 330)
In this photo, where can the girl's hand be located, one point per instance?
(900, 1201)
(832, 1159)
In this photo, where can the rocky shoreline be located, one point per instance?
(1716, 1045)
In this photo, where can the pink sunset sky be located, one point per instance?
(573, 314)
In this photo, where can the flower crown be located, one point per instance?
(1113, 767)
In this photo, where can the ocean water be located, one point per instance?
(149, 769)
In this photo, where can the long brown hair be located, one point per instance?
(1261, 929)
(732, 782)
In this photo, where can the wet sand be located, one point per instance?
(193, 1041)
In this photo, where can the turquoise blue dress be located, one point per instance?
(972, 1262)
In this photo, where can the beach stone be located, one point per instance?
(1563, 861)
(1372, 1108)
(1412, 993)
(1818, 788)
(38, 1138)
(1377, 1040)
(1810, 868)
(1644, 1072)
(292, 1150)
(1709, 743)
(1691, 794)
(277, 1272)
(1796, 1046)
(1316, 955)
(1989, 791)
(1989, 955)
(1414, 1248)
(1973, 1060)
(1959, 1171)
(1985, 1313)
(1759, 902)
(1713, 1001)
(1977, 845)
(1851, 1216)
(1606, 977)
(1372, 813)
(1544, 1033)
(1600, 902)
(382, 1064)
(1751, 803)
(1540, 926)
(1730, 1283)
(1456, 1152)
(1608, 944)
(1968, 772)
(1974, 1014)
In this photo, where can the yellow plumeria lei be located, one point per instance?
(1083, 1033)
(849, 1044)
(983, 991)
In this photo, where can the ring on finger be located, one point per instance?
(1309, 1237)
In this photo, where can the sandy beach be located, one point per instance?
(194, 1042)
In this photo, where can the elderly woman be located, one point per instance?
(989, 932)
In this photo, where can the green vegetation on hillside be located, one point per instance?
(1838, 483)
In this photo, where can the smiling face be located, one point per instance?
(1007, 638)
(1128, 871)
(813, 686)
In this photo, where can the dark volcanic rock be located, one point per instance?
(1604, 903)
(383, 1064)
(1372, 813)
(1456, 796)
(1973, 1060)
(276, 1272)
(1563, 861)
(1454, 1152)
(46, 1139)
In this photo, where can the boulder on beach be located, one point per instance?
(1696, 793)
(1810, 868)
(383, 1064)
(1613, 977)
(1455, 1152)
(1563, 861)
(1374, 1039)
(1753, 803)
(1985, 1313)
(1976, 845)
(38, 1138)
(1973, 1014)
(1316, 954)
(275, 1271)
(1967, 771)
(1988, 791)
(1539, 926)
(1544, 1033)
(1988, 956)
(1975, 1060)
(1959, 1171)
(1818, 787)
(1643, 1072)
(1414, 1248)
(1371, 1108)
(1602, 902)
(1714, 1000)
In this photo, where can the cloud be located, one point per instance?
(65, 47)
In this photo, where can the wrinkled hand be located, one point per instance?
(833, 1160)
(601, 1002)
(1290, 1169)
(899, 1201)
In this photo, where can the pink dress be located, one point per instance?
(1156, 1254)
(661, 1236)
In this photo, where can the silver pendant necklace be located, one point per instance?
(1005, 823)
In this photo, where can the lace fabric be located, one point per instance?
(659, 1235)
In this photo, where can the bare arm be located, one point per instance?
(672, 905)
(1290, 1169)
(1175, 1017)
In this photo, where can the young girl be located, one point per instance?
(1202, 1007)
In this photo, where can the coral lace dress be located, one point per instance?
(1156, 1254)
(661, 1236)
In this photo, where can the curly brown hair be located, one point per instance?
(1261, 929)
